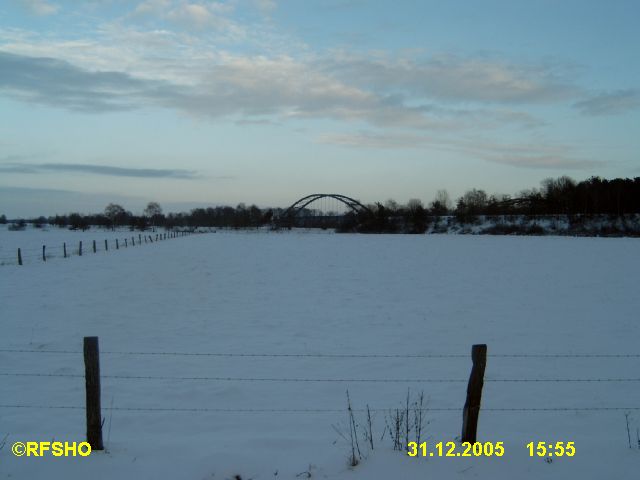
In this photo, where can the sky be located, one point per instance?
(202, 103)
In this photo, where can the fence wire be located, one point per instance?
(326, 380)
(334, 355)
(322, 380)
(321, 410)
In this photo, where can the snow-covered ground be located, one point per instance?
(320, 294)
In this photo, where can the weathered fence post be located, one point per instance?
(94, 246)
(106, 245)
(19, 257)
(64, 249)
(139, 238)
(125, 243)
(474, 394)
(44, 255)
(80, 249)
(133, 241)
(92, 384)
(117, 246)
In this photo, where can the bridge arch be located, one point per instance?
(353, 204)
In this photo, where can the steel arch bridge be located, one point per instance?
(293, 215)
(298, 206)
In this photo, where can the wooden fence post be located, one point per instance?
(106, 245)
(133, 241)
(19, 257)
(474, 394)
(117, 246)
(139, 238)
(80, 249)
(94, 246)
(125, 243)
(92, 383)
(64, 249)
(44, 255)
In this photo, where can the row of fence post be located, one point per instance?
(91, 352)
(159, 236)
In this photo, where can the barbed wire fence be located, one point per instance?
(92, 381)
(67, 249)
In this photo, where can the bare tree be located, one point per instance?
(391, 206)
(154, 213)
(115, 213)
(470, 205)
(441, 205)
(153, 208)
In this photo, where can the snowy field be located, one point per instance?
(416, 303)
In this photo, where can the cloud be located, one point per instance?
(376, 140)
(527, 155)
(544, 161)
(180, 71)
(266, 6)
(515, 155)
(57, 83)
(190, 14)
(246, 86)
(40, 7)
(152, 7)
(97, 170)
(610, 103)
(457, 79)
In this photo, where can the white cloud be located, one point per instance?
(457, 79)
(220, 85)
(190, 15)
(152, 7)
(266, 6)
(40, 7)
(188, 71)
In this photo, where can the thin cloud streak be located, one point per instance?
(610, 103)
(98, 170)
(515, 155)
(452, 78)
(40, 7)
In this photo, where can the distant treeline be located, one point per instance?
(563, 195)
(115, 216)
(559, 196)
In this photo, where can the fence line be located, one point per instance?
(472, 406)
(324, 410)
(44, 252)
(325, 380)
(330, 355)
